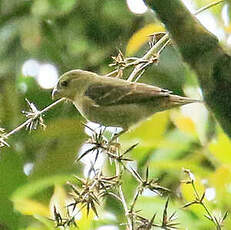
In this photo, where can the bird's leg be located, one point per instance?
(116, 135)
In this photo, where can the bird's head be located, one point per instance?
(71, 83)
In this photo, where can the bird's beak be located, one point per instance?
(55, 94)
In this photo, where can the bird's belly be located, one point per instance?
(119, 115)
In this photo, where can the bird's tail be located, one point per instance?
(178, 100)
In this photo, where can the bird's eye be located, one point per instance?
(64, 83)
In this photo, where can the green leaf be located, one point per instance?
(221, 147)
(32, 188)
(12, 177)
(178, 165)
(148, 133)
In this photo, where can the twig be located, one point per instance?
(153, 51)
(200, 200)
(156, 50)
(131, 211)
(163, 47)
(111, 73)
(208, 6)
(24, 124)
(121, 194)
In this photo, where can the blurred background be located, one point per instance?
(42, 39)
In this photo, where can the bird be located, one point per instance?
(114, 102)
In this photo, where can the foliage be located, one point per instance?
(34, 170)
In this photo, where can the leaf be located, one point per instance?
(52, 7)
(188, 192)
(178, 165)
(49, 224)
(215, 9)
(149, 132)
(86, 219)
(56, 147)
(173, 146)
(59, 199)
(62, 5)
(228, 29)
(31, 207)
(221, 147)
(190, 196)
(32, 188)
(141, 37)
(12, 177)
(221, 179)
(183, 123)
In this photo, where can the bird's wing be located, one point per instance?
(107, 93)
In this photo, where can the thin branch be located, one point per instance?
(153, 51)
(156, 50)
(208, 6)
(24, 124)
(121, 195)
(200, 200)
(163, 47)
(111, 73)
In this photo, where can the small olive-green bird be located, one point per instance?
(112, 101)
